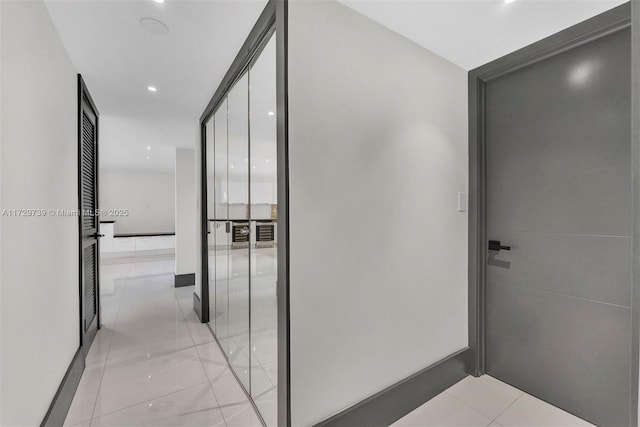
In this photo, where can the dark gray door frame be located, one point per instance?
(273, 18)
(635, 188)
(282, 87)
(597, 27)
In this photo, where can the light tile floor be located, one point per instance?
(485, 401)
(153, 362)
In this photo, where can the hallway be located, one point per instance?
(153, 362)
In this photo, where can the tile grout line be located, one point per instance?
(148, 400)
(157, 354)
(457, 399)
(523, 394)
(224, 419)
(128, 276)
(104, 366)
(127, 293)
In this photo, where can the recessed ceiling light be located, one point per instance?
(152, 89)
(148, 157)
(271, 113)
(159, 1)
(148, 147)
(231, 166)
(253, 167)
(154, 26)
(267, 160)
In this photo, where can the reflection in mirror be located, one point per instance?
(263, 191)
(242, 203)
(221, 236)
(238, 202)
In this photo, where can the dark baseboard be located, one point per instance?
(61, 402)
(197, 306)
(391, 404)
(185, 280)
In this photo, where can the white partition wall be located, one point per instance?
(378, 248)
(186, 213)
(148, 195)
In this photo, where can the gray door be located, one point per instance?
(558, 176)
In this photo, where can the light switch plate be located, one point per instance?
(462, 202)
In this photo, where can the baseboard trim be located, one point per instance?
(394, 402)
(61, 402)
(188, 279)
(197, 306)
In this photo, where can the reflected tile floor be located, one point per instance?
(485, 401)
(153, 362)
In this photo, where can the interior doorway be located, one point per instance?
(89, 224)
(555, 236)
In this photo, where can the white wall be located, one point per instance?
(149, 196)
(262, 191)
(127, 140)
(378, 251)
(186, 213)
(39, 300)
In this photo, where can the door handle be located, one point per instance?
(97, 235)
(494, 245)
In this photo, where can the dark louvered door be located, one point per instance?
(89, 220)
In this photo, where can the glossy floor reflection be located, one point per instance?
(264, 333)
(153, 362)
(485, 401)
(250, 337)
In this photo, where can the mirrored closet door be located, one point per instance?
(242, 215)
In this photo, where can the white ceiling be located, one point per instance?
(118, 60)
(471, 33)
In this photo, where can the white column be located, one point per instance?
(186, 213)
